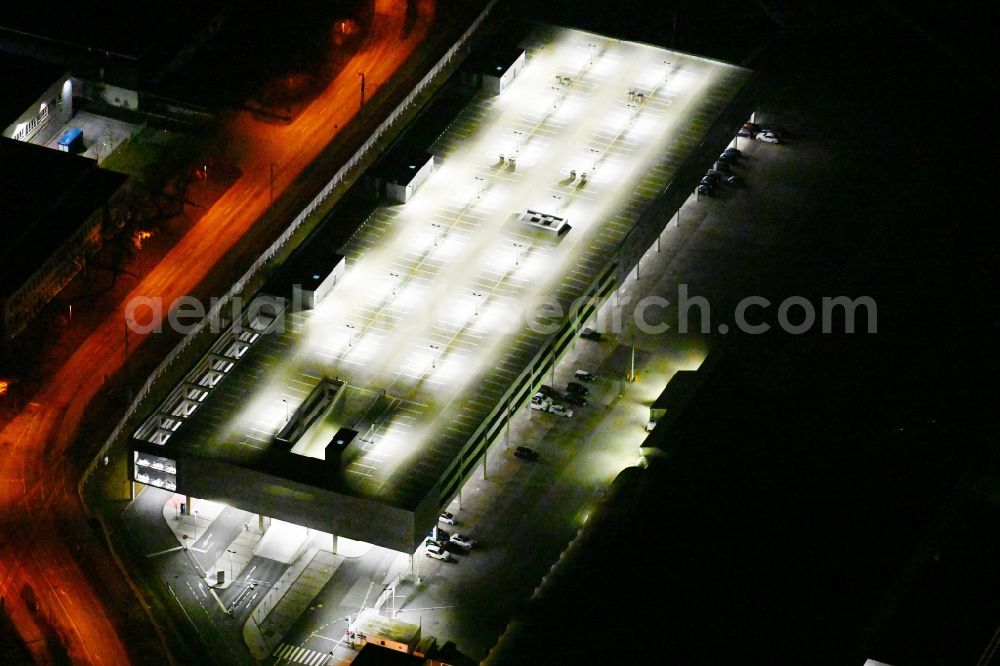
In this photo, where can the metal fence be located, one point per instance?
(262, 261)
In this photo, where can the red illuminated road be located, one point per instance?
(48, 595)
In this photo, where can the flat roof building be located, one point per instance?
(428, 336)
(404, 171)
(500, 65)
(306, 279)
(126, 44)
(33, 94)
(55, 214)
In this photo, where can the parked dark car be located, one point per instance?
(578, 388)
(524, 453)
(549, 392)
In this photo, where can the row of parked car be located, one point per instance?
(575, 394)
(764, 133)
(719, 173)
(545, 401)
(440, 544)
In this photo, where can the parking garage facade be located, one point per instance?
(265, 476)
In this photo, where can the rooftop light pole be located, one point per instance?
(350, 334)
(396, 277)
(477, 295)
(437, 232)
(517, 253)
(517, 142)
(434, 354)
(631, 113)
(288, 415)
(597, 156)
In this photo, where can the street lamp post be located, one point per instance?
(128, 377)
(231, 553)
(517, 253)
(477, 295)
(434, 355)
(350, 334)
(396, 277)
(288, 415)
(437, 233)
(631, 372)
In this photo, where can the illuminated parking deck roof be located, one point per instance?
(428, 325)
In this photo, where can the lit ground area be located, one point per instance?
(443, 303)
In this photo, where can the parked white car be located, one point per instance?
(447, 517)
(542, 405)
(561, 410)
(437, 552)
(768, 137)
(463, 541)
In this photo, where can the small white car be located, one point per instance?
(463, 541)
(768, 137)
(585, 376)
(541, 405)
(437, 552)
(447, 517)
(561, 410)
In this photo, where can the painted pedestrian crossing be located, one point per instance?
(293, 654)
